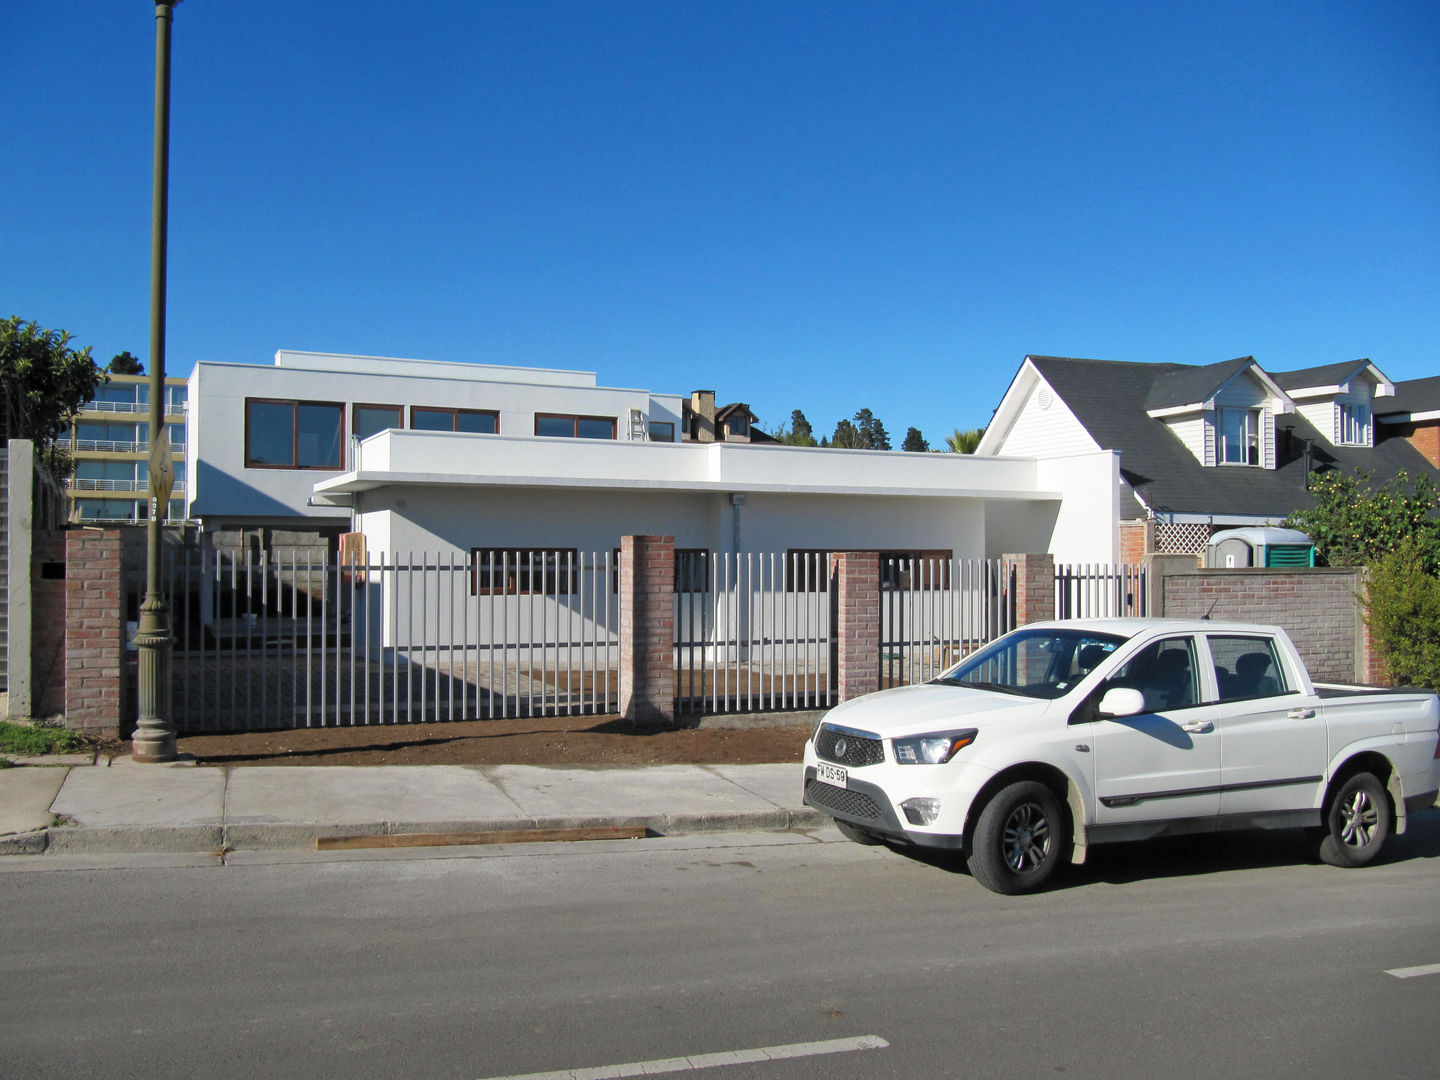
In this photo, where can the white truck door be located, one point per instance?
(1164, 763)
(1273, 733)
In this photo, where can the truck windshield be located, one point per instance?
(1038, 663)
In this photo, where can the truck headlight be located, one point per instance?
(933, 749)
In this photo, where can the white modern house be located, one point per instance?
(458, 459)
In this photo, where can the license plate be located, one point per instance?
(831, 774)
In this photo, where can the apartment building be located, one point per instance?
(110, 441)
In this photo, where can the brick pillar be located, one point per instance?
(855, 587)
(647, 630)
(94, 631)
(48, 610)
(1034, 587)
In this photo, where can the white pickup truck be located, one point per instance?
(1065, 734)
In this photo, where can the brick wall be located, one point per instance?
(1034, 587)
(94, 631)
(856, 592)
(1134, 542)
(1320, 608)
(1425, 437)
(647, 630)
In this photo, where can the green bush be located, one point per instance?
(1403, 613)
(1354, 522)
(19, 739)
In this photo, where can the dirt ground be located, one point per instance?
(572, 741)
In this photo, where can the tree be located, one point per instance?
(45, 382)
(125, 364)
(1402, 610)
(915, 443)
(1355, 522)
(799, 433)
(846, 437)
(964, 442)
(873, 435)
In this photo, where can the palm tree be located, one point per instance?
(964, 442)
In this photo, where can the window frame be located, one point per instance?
(355, 408)
(1354, 424)
(295, 406)
(1251, 436)
(455, 414)
(575, 419)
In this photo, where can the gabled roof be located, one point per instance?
(1110, 399)
(1191, 387)
(1414, 398)
(1328, 378)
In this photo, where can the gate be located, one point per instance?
(936, 609)
(1098, 591)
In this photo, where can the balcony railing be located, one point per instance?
(171, 408)
(77, 484)
(111, 446)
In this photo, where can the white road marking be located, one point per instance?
(708, 1061)
(1414, 972)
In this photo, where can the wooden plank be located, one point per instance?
(500, 836)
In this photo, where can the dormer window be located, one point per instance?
(1240, 436)
(1354, 426)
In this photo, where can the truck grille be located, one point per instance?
(847, 748)
(854, 804)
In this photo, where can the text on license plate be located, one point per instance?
(831, 774)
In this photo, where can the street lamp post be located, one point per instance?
(154, 739)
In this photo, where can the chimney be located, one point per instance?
(702, 415)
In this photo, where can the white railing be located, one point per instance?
(77, 484)
(1100, 591)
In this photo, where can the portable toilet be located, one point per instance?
(1259, 546)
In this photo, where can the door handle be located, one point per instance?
(1198, 727)
(1300, 714)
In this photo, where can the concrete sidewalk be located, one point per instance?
(124, 807)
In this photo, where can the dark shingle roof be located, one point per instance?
(1325, 375)
(1188, 385)
(1110, 397)
(1412, 396)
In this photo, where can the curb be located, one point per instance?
(277, 836)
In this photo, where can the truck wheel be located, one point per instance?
(1357, 824)
(855, 833)
(1018, 839)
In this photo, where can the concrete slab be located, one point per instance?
(127, 794)
(25, 798)
(779, 784)
(625, 793)
(337, 795)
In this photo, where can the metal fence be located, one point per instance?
(752, 632)
(274, 643)
(1097, 591)
(935, 610)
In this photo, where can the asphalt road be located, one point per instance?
(1229, 956)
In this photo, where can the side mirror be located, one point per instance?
(1121, 701)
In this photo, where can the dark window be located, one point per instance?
(692, 570)
(475, 421)
(516, 571)
(575, 427)
(1165, 673)
(662, 431)
(1246, 667)
(924, 571)
(372, 419)
(294, 434)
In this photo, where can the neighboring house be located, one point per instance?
(1202, 448)
(110, 442)
(1414, 414)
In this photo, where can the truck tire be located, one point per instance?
(856, 834)
(1018, 839)
(1357, 822)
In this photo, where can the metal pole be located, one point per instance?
(154, 739)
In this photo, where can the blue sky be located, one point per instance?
(823, 206)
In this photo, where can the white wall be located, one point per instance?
(1046, 427)
(220, 486)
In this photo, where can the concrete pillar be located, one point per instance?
(855, 588)
(1157, 569)
(19, 616)
(647, 630)
(1034, 587)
